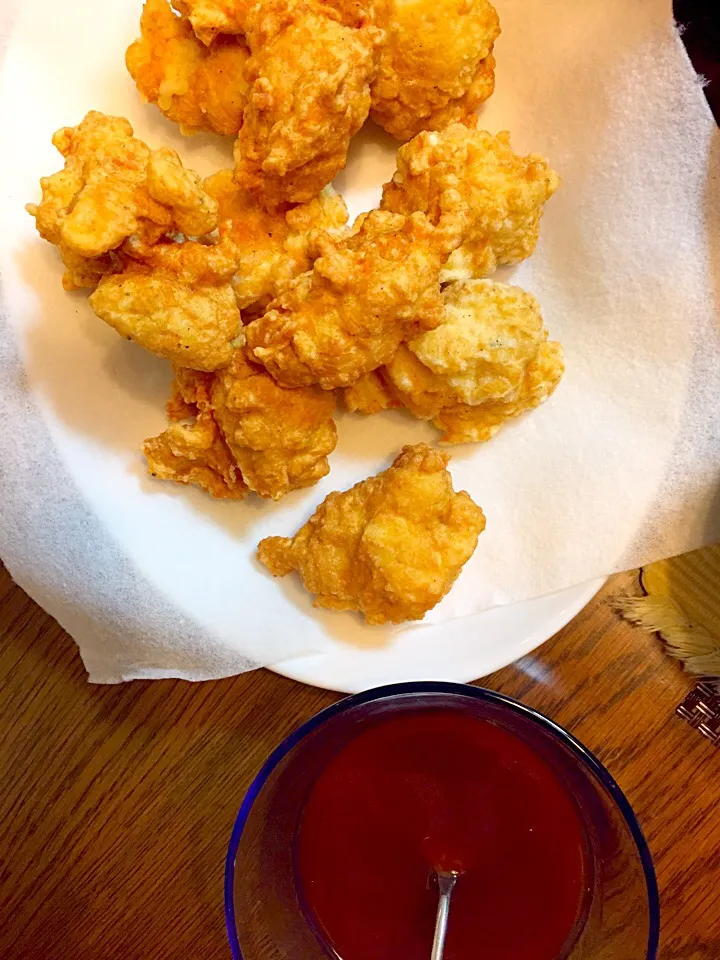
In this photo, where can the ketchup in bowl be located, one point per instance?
(441, 789)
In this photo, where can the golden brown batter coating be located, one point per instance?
(369, 394)
(390, 547)
(436, 64)
(176, 300)
(488, 335)
(196, 453)
(273, 248)
(197, 87)
(280, 437)
(277, 439)
(114, 187)
(310, 75)
(466, 169)
(363, 297)
(209, 18)
(486, 362)
(461, 423)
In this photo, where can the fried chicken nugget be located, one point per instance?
(364, 296)
(488, 361)
(169, 182)
(489, 334)
(436, 64)
(276, 439)
(390, 547)
(500, 193)
(280, 438)
(461, 423)
(176, 300)
(273, 247)
(197, 87)
(310, 93)
(114, 187)
(406, 382)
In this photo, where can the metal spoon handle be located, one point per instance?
(446, 882)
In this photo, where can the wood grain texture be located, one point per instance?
(116, 803)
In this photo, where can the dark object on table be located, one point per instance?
(701, 36)
(701, 709)
(268, 907)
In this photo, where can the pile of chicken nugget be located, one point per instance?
(273, 309)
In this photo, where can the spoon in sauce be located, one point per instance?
(446, 880)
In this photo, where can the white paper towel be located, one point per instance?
(622, 466)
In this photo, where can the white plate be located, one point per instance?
(461, 650)
(190, 576)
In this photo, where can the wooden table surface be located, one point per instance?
(116, 803)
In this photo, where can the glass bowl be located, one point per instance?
(263, 910)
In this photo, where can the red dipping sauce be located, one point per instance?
(439, 788)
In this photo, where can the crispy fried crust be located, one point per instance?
(198, 87)
(369, 394)
(176, 300)
(348, 315)
(488, 335)
(209, 18)
(309, 74)
(486, 362)
(461, 423)
(196, 453)
(189, 393)
(120, 214)
(180, 321)
(280, 438)
(499, 194)
(436, 65)
(273, 248)
(391, 547)
(113, 188)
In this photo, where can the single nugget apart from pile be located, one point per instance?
(197, 87)
(436, 64)
(363, 297)
(487, 361)
(469, 171)
(390, 547)
(310, 75)
(273, 248)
